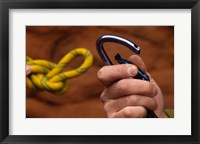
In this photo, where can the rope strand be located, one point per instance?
(48, 76)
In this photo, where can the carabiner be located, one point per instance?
(116, 39)
(133, 47)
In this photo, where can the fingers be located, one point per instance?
(136, 60)
(130, 112)
(112, 106)
(109, 74)
(127, 87)
(28, 69)
(125, 96)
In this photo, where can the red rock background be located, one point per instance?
(82, 98)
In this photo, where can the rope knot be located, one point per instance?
(49, 76)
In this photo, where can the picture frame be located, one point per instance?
(6, 5)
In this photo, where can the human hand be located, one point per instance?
(28, 70)
(125, 96)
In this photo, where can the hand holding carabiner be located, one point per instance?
(124, 96)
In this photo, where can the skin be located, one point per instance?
(125, 97)
(28, 70)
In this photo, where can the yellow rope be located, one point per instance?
(48, 76)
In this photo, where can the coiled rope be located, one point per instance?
(48, 76)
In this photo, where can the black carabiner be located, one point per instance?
(106, 60)
(116, 39)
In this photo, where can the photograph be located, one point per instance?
(67, 76)
(115, 71)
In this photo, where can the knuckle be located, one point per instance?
(155, 90)
(150, 86)
(134, 100)
(154, 104)
(103, 96)
(107, 106)
(100, 74)
(151, 89)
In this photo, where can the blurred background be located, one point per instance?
(82, 97)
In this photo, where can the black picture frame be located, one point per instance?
(6, 5)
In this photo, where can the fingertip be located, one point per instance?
(137, 60)
(156, 105)
(28, 69)
(132, 71)
(155, 91)
(109, 74)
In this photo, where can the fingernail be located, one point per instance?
(132, 71)
(28, 70)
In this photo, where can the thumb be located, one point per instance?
(110, 74)
(137, 60)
